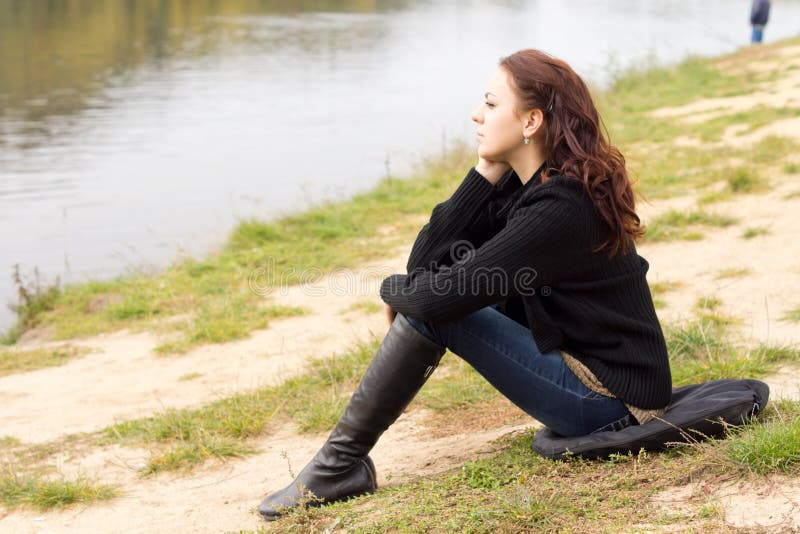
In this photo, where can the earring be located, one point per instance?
(527, 141)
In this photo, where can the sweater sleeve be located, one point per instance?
(538, 246)
(461, 219)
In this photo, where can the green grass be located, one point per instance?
(754, 118)
(792, 315)
(707, 304)
(742, 180)
(754, 231)
(676, 225)
(186, 454)
(658, 289)
(771, 150)
(35, 297)
(665, 286)
(791, 168)
(223, 320)
(772, 446)
(737, 180)
(703, 349)
(189, 376)
(9, 442)
(12, 362)
(732, 272)
(367, 306)
(44, 494)
(636, 91)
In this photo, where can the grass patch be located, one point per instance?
(658, 289)
(9, 442)
(224, 320)
(733, 272)
(12, 362)
(770, 447)
(46, 494)
(736, 181)
(754, 231)
(676, 225)
(367, 306)
(187, 454)
(792, 315)
(752, 119)
(702, 350)
(791, 168)
(189, 376)
(708, 304)
(35, 297)
(769, 151)
(665, 286)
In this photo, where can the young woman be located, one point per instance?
(529, 272)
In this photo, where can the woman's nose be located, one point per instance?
(476, 115)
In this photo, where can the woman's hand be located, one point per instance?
(390, 313)
(492, 170)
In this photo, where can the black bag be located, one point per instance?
(695, 412)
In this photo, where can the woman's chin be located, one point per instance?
(486, 153)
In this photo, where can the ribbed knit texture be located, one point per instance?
(529, 247)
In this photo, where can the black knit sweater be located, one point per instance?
(529, 247)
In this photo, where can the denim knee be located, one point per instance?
(425, 328)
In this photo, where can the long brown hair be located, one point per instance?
(576, 140)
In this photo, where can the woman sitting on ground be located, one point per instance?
(528, 272)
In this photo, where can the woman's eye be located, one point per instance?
(489, 104)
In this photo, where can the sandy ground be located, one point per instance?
(224, 497)
(122, 378)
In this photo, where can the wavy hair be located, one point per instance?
(576, 141)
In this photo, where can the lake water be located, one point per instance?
(132, 132)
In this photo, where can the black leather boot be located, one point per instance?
(341, 468)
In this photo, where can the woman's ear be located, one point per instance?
(533, 122)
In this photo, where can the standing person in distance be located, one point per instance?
(759, 15)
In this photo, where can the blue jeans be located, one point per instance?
(757, 35)
(505, 353)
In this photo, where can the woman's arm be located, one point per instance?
(539, 245)
(464, 219)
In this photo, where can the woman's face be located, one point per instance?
(499, 130)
